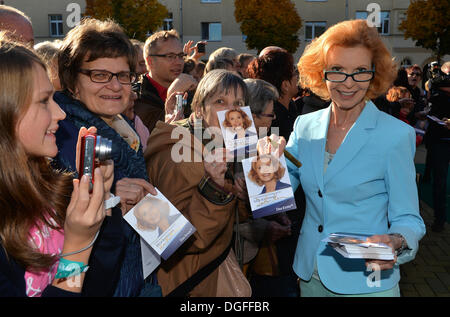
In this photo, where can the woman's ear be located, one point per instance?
(285, 87)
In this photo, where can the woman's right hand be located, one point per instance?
(131, 191)
(215, 164)
(85, 213)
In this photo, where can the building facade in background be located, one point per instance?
(213, 20)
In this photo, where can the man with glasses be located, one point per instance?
(164, 57)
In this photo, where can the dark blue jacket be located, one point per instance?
(127, 163)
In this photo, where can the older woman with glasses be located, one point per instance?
(358, 169)
(96, 69)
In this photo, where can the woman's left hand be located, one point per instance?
(392, 241)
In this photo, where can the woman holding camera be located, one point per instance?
(48, 220)
(96, 64)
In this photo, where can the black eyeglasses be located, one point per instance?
(171, 56)
(104, 76)
(340, 77)
(414, 74)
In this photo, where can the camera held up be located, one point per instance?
(94, 149)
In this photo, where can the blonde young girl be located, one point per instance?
(47, 219)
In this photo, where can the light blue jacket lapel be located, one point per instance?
(353, 142)
(318, 141)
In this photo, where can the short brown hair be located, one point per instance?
(152, 42)
(410, 69)
(275, 67)
(347, 34)
(93, 39)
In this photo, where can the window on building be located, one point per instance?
(314, 29)
(56, 25)
(212, 31)
(168, 22)
(384, 27)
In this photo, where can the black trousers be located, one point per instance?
(440, 158)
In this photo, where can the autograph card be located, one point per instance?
(268, 185)
(238, 130)
(160, 224)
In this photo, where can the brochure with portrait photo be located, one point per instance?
(268, 185)
(160, 224)
(239, 131)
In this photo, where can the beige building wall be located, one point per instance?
(39, 12)
(187, 17)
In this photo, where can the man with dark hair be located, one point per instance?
(16, 24)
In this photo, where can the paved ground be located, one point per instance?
(428, 275)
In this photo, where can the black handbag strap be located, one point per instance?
(183, 289)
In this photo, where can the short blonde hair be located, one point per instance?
(350, 33)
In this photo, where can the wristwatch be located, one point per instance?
(404, 244)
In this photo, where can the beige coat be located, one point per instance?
(178, 182)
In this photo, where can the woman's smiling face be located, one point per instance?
(348, 94)
(104, 99)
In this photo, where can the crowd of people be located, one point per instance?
(357, 170)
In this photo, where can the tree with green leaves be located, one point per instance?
(428, 23)
(137, 17)
(269, 22)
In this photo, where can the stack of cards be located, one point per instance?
(356, 247)
(163, 228)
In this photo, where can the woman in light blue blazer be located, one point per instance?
(358, 166)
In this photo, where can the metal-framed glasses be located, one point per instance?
(340, 77)
(104, 76)
(171, 56)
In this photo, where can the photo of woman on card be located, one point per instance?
(266, 171)
(153, 214)
(238, 122)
